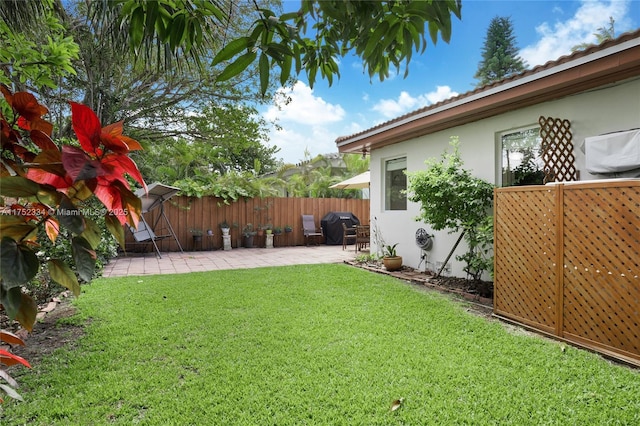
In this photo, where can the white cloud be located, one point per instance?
(304, 108)
(306, 122)
(391, 108)
(557, 39)
(294, 139)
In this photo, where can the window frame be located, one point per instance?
(401, 202)
(500, 154)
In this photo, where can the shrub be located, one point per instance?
(452, 198)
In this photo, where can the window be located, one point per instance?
(395, 183)
(522, 162)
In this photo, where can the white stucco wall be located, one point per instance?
(592, 113)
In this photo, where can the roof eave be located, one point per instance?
(607, 66)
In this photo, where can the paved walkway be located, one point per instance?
(178, 263)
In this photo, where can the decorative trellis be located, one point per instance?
(566, 263)
(557, 150)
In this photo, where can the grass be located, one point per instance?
(314, 345)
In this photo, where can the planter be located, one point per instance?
(197, 238)
(248, 241)
(225, 231)
(392, 263)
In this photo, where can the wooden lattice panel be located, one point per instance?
(597, 277)
(602, 265)
(525, 239)
(557, 150)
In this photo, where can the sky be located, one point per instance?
(544, 30)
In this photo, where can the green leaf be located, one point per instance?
(177, 33)
(18, 263)
(264, 73)
(92, 233)
(11, 299)
(27, 312)
(16, 227)
(84, 257)
(231, 50)
(115, 227)
(285, 70)
(17, 186)
(62, 274)
(136, 27)
(375, 39)
(70, 217)
(237, 66)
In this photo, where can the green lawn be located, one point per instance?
(309, 345)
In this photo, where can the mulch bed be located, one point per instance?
(479, 292)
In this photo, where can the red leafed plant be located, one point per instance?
(49, 182)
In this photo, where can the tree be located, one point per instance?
(602, 34)
(168, 98)
(499, 55)
(451, 198)
(381, 33)
(23, 26)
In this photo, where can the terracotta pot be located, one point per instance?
(392, 263)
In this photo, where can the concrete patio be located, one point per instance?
(178, 263)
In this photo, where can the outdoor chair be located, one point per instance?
(144, 235)
(309, 229)
(363, 237)
(347, 235)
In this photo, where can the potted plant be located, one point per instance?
(268, 229)
(288, 228)
(224, 227)
(390, 258)
(277, 230)
(197, 234)
(248, 234)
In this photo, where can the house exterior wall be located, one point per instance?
(591, 113)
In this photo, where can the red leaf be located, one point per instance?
(113, 139)
(23, 153)
(123, 164)
(120, 202)
(8, 358)
(6, 93)
(23, 123)
(52, 228)
(43, 141)
(79, 165)
(87, 126)
(10, 338)
(109, 196)
(27, 106)
(47, 178)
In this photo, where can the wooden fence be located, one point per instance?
(186, 214)
(567, 263)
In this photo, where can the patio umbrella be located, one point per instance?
(357, 182)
